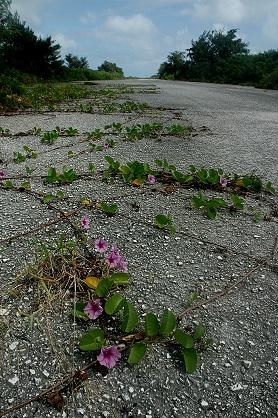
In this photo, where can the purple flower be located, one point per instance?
(223, 181)
(85, 222)
(106, 146)
(122, 264)
(2, 174)
(109, 356)
(93, 309)
(151, 179)
(101, 245)
(112, 259)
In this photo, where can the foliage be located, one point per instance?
(64, 177)
(210, 206)
(222, 57)
(72, 61)
(110, 67)
(165, 222)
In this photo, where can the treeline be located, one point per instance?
(222, 57)
(26, 57)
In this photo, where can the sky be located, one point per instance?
(139, 34)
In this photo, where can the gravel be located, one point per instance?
(237, 375)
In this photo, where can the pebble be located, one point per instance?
(238, 386)
(13, 345)
(13, 380)
(204, 404)
(246, 363)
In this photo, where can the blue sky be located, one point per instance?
(139, 34)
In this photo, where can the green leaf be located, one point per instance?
(190, 359)
(137, 352)
(159, 163)
(104, 286)
(151, 325)
(199, 332)
(238, 202)
(184, 339)
(93, 340)
(8, 184)
(192, 297)
(78, 310)
(120, 278)
(168, 323)
(48, 198)
(130, 319)
(211, 212)
(114, 304)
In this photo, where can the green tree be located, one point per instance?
(73, 61)
(22, 50)
(110, 67)
(208, 55)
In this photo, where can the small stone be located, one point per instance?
(246, 363)
(238, 386)
(251, 343)
(4, 312)
(180, 263)
(13, 380)
(204, 404)
(32, 371)
(219, 257)
(45, 372)
(131, 389)
(13, 345)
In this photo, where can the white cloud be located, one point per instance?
(30, 11)
(222, 10)
(88, 17)
(134, 25)
(66, 43)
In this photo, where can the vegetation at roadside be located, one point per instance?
(222, 57)
(26, 59)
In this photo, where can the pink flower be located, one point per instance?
(112, 259)
(106, 146)
(151, 179)
(93, 309)
(2, 174)
(109, 356)
(101, 245)
(223, 181)
(85, 222)
(122, 264)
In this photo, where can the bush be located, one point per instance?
(9, 85)
(270, 81)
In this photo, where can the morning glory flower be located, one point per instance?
(101, 245)
(112, 259)
(2, 174)
(151, 179)
(85, 222)
(223, 181)
(93, 309)
(109, 356)
(122, 264)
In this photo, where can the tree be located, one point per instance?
(22, 50)
(210, 53)
(73, 61)
(110, 67)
